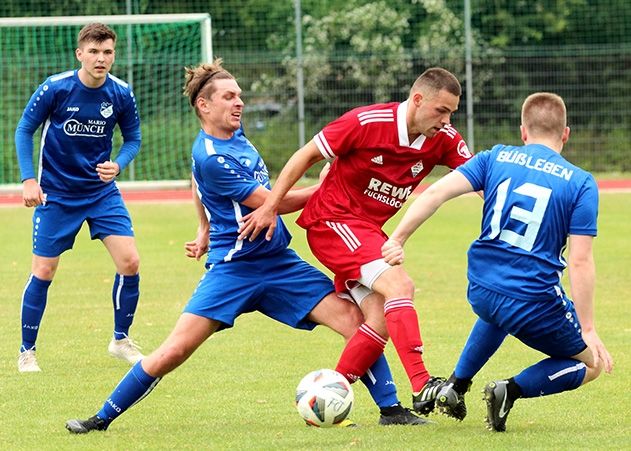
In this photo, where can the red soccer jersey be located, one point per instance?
(376, 168)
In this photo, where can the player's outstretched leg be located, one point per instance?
(134, 386)
(424, 402)
(450, 400)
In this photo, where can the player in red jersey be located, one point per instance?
(379, 153)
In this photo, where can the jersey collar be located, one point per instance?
(402, 128)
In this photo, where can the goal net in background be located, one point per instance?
(151, 53)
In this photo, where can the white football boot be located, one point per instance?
(125, 349)
(27, 363)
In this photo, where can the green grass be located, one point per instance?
(237, 390)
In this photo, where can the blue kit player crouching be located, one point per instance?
(231, 180)
(79, 110)
(534, 200)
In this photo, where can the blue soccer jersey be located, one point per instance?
(77, 133)
(533, 198)
(227, 171)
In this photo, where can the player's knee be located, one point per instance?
(167, 358)
(44, 271)
(374, 317)
(355, 318)
(592, 372)
(395, 283)
(348, 322)
(130, 265)
(404, 286)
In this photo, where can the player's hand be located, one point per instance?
(107, 170)
(594, 342)
(199, 246)
(32, 193)
(258, 220)
(392, 252)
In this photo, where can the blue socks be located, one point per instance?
(483, 341)
(125, 294)
(380, 383)
(550, 376)
(33, 305)
(132, 388)
(137, 384)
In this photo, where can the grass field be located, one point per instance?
(237, 391)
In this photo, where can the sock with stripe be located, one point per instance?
(405, 333)
(360, 353)
(33, 305)
(125, 294)
(132, 388)
(380, 383)
(551, 376)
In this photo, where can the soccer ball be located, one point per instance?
(324, 398)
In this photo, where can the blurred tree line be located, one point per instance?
(502, 23)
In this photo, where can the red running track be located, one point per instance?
(179, 195)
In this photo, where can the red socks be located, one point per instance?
(365, 347)
(361, 351)
(402, 324)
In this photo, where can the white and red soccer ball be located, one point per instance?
(324, 398)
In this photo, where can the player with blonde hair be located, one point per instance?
(535, 204)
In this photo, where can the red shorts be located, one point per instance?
(344, 247)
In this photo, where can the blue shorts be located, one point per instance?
(281, 286)
(550, 327)
(56, 223)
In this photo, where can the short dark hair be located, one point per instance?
(95, 32)
(435, 79)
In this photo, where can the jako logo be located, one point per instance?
(114, 406)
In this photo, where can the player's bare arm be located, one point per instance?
(264, 217)
(200, 245)
(32, 193)
(451, 185)
(582, 274)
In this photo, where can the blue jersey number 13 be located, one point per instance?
(532, 219)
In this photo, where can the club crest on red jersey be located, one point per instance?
(417, 168)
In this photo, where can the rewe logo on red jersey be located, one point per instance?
(387, 193)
